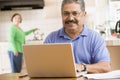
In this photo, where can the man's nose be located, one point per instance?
(71, 17)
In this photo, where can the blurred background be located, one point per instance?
(102, 16)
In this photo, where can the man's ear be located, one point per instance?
(85, 13)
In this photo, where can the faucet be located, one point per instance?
(117, 28)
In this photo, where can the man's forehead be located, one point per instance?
(71, 6)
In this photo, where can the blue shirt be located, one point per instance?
(89, 47)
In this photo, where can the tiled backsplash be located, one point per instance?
(31, 19)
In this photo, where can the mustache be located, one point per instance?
(71, 21)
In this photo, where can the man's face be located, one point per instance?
(72, 17)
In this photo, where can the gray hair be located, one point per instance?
(81, 2)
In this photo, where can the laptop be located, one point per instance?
(50, 60)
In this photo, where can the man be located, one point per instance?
(89, 48)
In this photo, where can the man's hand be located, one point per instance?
(36, 29)
(100, 67)
(79, 67)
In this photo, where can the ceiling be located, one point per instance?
(17, 4)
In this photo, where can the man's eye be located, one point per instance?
(66, 14)
(75, 14)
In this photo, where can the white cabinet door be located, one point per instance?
(4, 59)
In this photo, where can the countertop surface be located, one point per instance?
(110, 41)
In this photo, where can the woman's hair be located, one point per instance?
(15, 14)
(81, 2)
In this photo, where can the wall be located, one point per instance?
(114, 12)
(49, 18)
(31, 19)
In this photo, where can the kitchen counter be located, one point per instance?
(112, 41)
(113, 44)
(34, 42)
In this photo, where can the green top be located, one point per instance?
(16, 38)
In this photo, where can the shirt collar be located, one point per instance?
(85, 31)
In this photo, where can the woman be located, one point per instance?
(16, 39)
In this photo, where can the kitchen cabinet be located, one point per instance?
(115, 56)
(4, 58)
(113, 45)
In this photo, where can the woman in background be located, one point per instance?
(16, 39)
